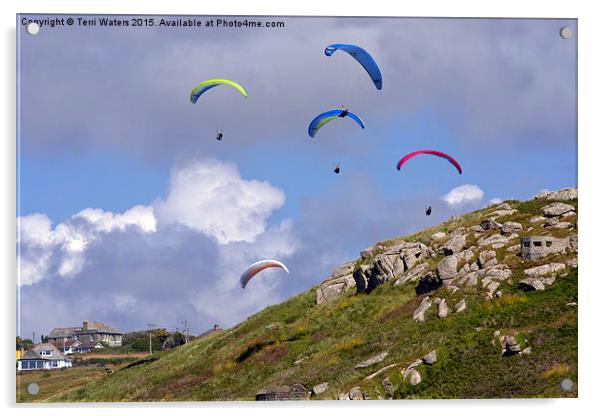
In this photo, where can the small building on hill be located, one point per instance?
(89, 332)
(535, 247)
(43, 357)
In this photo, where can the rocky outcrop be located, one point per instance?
(372, 360)
(454, 245)
(498, 213)
(340, 281)
(573, 242)
(536, 279)
(429, 282)
(569, 214)
(487, 258)
(544, 270)
(406, 371)
(497, 272)
(557, 208)
(560, 195)
(491, 288)
(430, 358)
(356, 394)
(443, 309)
(490, 224)
(300, 360)
(495, 241)
(554, 223)
(447, 268)
(415, 378)
(438, 236)
(390, 263)
(413, 274)
(503, 207)
(418, 314)
(461, 306)
(531, 283)
(511, 345)
(319, 389)
(511, 227)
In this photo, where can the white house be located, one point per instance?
(89, 332)
(43, 357)
(83, 347)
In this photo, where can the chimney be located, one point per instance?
(85, 325)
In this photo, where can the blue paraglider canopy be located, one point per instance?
(330, 115)
(363, 58)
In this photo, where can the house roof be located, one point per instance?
(88, 344)
(95, 327)
(35, 353)
(66, 343)
(63, 332)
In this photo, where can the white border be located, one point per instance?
(590, 138)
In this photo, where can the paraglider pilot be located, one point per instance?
(344, 112)
(220, 135)
(337, 168)
(428, 211)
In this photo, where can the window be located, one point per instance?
(46, 353)
(55, 363)
(39, 364)
(537, 243)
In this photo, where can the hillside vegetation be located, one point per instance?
(510, 340)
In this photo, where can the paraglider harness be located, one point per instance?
(344, 113)
(337, 168)
(220, 135)
(428, 211)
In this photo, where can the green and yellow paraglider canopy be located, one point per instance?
(210, 83)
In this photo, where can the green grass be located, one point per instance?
(53, 382)
(235, 364)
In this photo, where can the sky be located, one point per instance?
(130, 212)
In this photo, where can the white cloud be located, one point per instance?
(130, 261)
(463, 195)
(105, 221)
(211, 197)
(44, 251)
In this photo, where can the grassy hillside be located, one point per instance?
(298, 341)
(53, 383)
